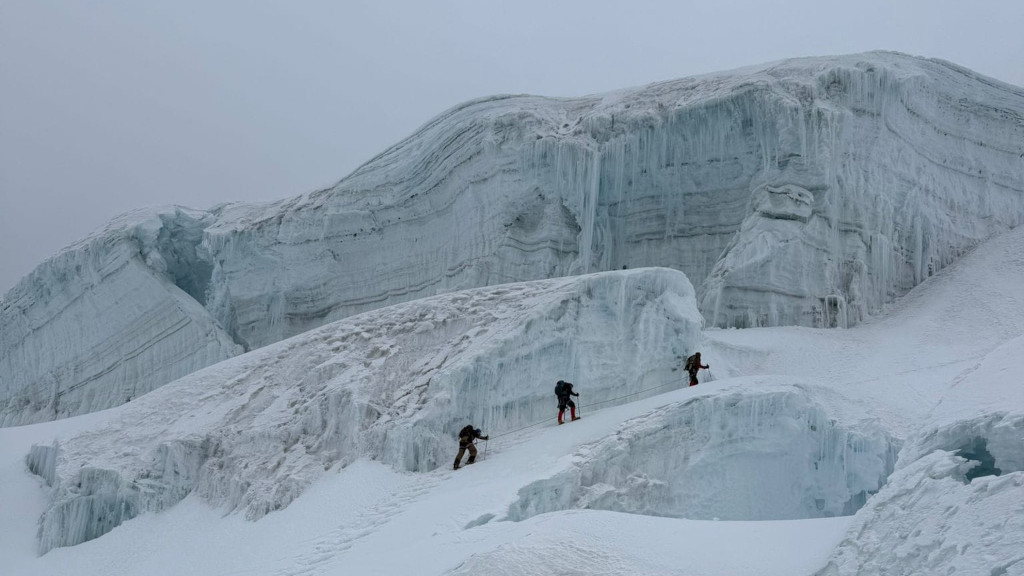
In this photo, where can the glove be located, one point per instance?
(485, 437)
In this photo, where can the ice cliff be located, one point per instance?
(763, 450)
(395, 384)
(806, 192)
(108, 319)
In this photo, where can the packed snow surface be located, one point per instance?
(899, 443)
(807, 192)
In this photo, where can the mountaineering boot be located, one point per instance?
(456, 467)
(572, 412)
(560, 417)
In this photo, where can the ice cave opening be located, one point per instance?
(976, 450)
(991, 445)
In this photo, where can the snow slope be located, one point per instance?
(809, 414)
(393, 385)
(805, 192)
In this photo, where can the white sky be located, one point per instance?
(112, 105)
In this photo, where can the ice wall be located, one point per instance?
(952, 506)
(807, 192)
(395, 384)
(766, 452)
(882, 173)
(108, 320)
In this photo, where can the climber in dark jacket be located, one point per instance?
(693, 366)
(466, 438)
(563, 390)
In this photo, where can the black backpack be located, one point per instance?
(690, 363)
(467, 432)
(560, 388)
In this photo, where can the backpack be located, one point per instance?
(560, 388)
(690, 363)
(467, 432)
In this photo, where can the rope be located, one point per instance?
(711, 378)
(632, 394)
(544, 421)
(518, 429)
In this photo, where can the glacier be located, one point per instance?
(892, 447)
(805, 192)
(107, 320)
(961, 473)
(761, 451)
(392, 384)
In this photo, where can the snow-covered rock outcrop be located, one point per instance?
(395, 384)
(805, 192)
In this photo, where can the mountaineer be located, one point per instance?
(693, 366)
(466, 438)
(563, 390)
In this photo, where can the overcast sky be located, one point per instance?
(111, 105)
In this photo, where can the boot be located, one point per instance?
(560, 412)
(572, 412)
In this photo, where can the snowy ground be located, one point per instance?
(940, 370)
(369, 519)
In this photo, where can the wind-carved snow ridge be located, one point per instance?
(395, 384)
(771, 452)
(806, 192)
